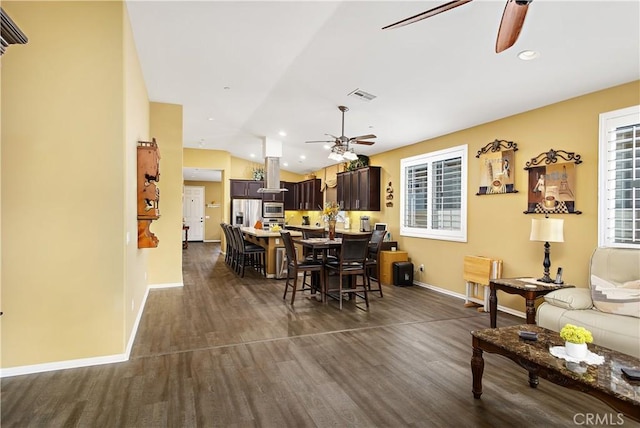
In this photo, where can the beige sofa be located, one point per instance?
(609, 307)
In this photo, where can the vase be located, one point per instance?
(576, 350)
(332, 230)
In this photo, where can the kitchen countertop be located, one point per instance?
(261, 233)
(314, 228)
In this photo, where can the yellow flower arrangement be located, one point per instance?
(575, 334)
(330, 211)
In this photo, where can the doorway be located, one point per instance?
(193, 211)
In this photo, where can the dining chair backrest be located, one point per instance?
(376, 239)
(288, 246)
(238, 238)
(306, 234)
(354, 248)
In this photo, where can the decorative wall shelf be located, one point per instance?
(496, 172)
(552, 183)
(148, 193)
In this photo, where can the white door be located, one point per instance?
(193, 211)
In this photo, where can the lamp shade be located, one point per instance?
(547, 230)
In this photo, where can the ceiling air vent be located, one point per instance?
(361, 95)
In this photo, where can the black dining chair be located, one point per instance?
(375, 245)
(228, 241)
(351, 264)
(294, 266)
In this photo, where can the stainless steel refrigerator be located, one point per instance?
(246, 212)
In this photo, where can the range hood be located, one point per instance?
(272, 150)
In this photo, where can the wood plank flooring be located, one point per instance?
(228, 352)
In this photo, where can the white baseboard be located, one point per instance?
(212, 240)
(61, 365)
(93, 361)
(463, 297)
(165, 285)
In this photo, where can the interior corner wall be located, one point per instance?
(165, 261)
(62, 184)
(497, 226)
(136, 129)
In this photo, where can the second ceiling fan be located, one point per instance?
(510, 26)
(343, 140)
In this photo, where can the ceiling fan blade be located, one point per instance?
(427, 14)
(320, 141)
(363, 137)
(512, 20)
(367, 143)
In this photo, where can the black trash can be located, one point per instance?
(402, 274)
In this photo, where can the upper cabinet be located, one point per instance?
(290, 196)
(359, 190)
(247, 189)
(308, 195)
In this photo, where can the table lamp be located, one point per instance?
(547, 230)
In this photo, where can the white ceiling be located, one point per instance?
(288, 65)
(200, 174)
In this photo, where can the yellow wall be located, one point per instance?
(497, 226)
(136, 129)
(165, 261)
(66, 142)
(213, 199)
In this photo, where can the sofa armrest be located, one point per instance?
(570, 298)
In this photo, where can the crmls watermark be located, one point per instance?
(598, 419)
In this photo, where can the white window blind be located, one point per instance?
(619, 178)
(433, 195)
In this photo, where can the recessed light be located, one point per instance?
(211, 118)
(282, 133)
(303, 157)
(528, 55)
(285, 163)
(252, 155)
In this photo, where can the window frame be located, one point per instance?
(610, 120)
(429, 158)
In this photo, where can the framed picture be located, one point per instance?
(496, 167)
(552, 183)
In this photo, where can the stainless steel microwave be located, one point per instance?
(273, 209)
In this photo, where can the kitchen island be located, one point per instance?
(269, 241)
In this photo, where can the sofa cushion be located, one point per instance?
(570, 298)
(616, 298)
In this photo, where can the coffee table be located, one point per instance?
(605, 381)
(529, 290)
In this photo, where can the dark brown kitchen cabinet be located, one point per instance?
(247, 189)
(359, 190)
(290, 196)
(308, 195)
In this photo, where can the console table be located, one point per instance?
(528, 288)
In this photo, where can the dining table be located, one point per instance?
(319, 246)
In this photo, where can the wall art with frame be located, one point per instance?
(496, 167)
(552, 183)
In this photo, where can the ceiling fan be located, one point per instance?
(510, 26)
(340, 149)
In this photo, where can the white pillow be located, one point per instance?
(620, 299)
(570, 298)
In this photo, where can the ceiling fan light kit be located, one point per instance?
(510, 26)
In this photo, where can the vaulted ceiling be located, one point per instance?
(248, 70)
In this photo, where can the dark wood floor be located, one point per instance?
(225, 351)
